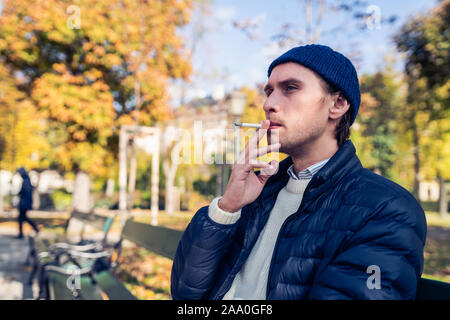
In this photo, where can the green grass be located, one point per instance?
(179, 220)
(434, 219)
(438, 278)
(437, 248)
(145, 274)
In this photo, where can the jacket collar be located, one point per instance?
(342, 163)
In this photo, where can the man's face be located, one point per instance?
(296, 102)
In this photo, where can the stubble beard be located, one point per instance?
(295, 144)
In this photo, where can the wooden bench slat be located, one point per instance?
(163, 241)
(56, 282)
(59, 290)
(112, 287)
(433, 290)
(100, 222)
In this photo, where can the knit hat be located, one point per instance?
(332, 66)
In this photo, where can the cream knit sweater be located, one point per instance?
(251, 280)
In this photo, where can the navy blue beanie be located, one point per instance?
(332, 66)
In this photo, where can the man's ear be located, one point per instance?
(339, 106)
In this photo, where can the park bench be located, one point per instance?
(104, 284)
(433, 290)
(42, 250)
(164, 241)
(39, 243)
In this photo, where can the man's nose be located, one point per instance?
(271, 105)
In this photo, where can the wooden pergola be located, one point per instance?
(127, 133)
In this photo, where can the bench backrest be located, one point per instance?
(163, 241)
(433, 290)
(103, 223)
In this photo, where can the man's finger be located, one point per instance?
(256, 164)
(256, 138)
(264, 150)
(271, 170)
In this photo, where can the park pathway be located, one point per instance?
(13, 272)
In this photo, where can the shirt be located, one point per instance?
(308, 172)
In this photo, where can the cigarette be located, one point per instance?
(247, 125)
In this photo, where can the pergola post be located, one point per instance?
(123, 139)
(155, 181)
(127, 132)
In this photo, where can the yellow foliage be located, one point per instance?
(86, 74)
(21, 130)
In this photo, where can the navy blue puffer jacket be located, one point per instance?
(349, 220)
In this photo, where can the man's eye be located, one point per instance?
(291, 88)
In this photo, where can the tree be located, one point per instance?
(425, 40)
(348, 18)
(382, 98)
(22, 140)
(86, 79)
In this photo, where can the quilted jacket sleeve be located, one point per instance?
(382, 260)
(199, 253)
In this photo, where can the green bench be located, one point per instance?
(39, 243)
(164, 241)
(433, 290)
(98, 286)
(42, 250)
(104, 285)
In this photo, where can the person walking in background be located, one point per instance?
(25, 202)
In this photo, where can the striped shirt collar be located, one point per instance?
(308, 172)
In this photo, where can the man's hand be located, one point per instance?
(244, 185)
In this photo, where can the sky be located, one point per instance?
(226, 58)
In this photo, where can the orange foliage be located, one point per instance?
(83, 79)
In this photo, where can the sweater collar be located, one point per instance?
(297, 186)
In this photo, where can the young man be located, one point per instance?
(315, 226)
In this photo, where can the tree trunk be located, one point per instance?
(170, 171)
(109, 192)
(219, 181)
(155, 184)
(443, 203)
(36, 195)
(416, 147)
(123, 138)
(1, 193)
(82, 198)
(170, 179)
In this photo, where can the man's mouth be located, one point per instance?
(274, 125)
